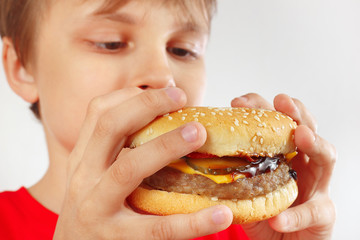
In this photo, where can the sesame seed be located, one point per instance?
(180, 111)
(184, 114)
(208, 124)
(213, 113)
(266, 115)
(244, 116)
(261, 140)
(251, 149)
(260, 125)
(245, 122)
(282, 127)
(202, 114)
(246, 113)
(232, 129)
(236, 122)
(183, 118)
(254, 138)
(170, 118)
(258, 134)
(214, 199)
(196, 119)
(229, 113)
(274, 129)
(277, 117)
(243, 110)
(253, 112)
(166, 115)
(193, 109)
(257, 118)
(264, 124)
(221, 113)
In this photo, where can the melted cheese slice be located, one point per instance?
(181, 165)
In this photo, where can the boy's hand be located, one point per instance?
(102, 174)
(312, 216)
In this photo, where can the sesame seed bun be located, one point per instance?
(158, 202)
(231, 132)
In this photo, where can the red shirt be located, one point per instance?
(22, 217)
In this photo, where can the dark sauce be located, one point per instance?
(293, 174)
(259, 166)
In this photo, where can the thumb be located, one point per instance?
(316, 213)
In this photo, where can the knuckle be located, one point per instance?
(105, 126)
(162, 230)
(315, 213)
(194, 226)
(124, 174)
(151, 100)
(96, 106)
(332, 211)
(165, 146)
(297, 220)
(333, 154)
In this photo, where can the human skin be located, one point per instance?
(93, 95)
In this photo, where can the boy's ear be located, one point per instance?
(18, 77)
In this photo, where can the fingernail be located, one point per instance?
(174, 93)
(243, 99)
(189, 133)
(219, 216)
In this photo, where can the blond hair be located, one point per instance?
(19, 20)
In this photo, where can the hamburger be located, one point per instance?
(244, 164)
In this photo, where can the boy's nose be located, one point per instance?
(153, 72)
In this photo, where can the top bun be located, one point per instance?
(230, 131)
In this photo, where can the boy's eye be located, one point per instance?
(111, 46)
(180, 52)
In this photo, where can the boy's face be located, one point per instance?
(81, 54)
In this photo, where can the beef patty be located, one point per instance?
(173, 180)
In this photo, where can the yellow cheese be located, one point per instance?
(181, 165)
(290, 156)
(228, 178)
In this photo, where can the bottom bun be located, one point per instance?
(245, 211)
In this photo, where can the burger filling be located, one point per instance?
(226, 178)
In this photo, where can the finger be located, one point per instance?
(188, 226)
(316, 213)
(112, 128)
(251, 100)
(321, 153)
(131, 168)
(96, 108)
(296, 110)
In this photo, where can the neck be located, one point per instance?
(50, 190)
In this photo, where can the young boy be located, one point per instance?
(95, 72)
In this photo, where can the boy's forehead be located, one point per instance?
(190, 13)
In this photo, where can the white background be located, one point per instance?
(309, 49)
